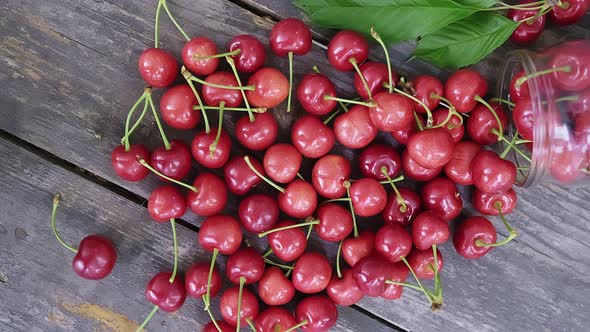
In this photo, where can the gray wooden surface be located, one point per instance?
(68, 75)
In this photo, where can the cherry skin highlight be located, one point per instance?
(125, 163)
(299, 199)
(95, 258)
(259, 134)
(575, 58)
(414, 171)
(570, 13)
(214, 96)
(425, 86)
(393, 112)
(492, 174)
(519, 92)
(422, 260)
(211, 197)
(311, 273)
(471, 230)
(228, 306)
(176, 107)
(157, 67)
(376, 156)
(529, 30)
(200, 47)
(482, 122)
(201, 148)
(311, 137)
(246, 263)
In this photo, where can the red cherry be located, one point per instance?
(246, 263)
(95, 258)
(282, 162)
(569, 12)
(458, 169)
(529, 30)
(344, 291)
(463, 86)
(201, 148)
(228, 306)
(393, 112)
(344, 46)
(354, 128)
(299, 199)
(441, 197)
(429, 229)
(311, 273)
(125, 163)
(422, 262)
(271, 87)
(239, 177)
(214, 96)
(328, 175)
(168, 296)
(392, 213)
(431, 148)
(274, 288)
(251, 56)
(335, 222)
(196, 279)
(376, 156)
(414, 171)
(288, 244)
(471, 230)
(311, 137)
(425, 86)
(370, 274)
(368, 197)
(481, 123)
(200, 47)
(577, 61)
(492, 174)
(290, 35)
(210, 327)
(519, 92)
(403, 136)
(274, 319)
(393, 242)
(454, 126)
(166, 202)
(375, 74)
(258, 213)
(258, 134)
(355, 248)
(567, 158)
(486, 203)
(176, 107)
(397, 272)
(174, 162)
(580, 106)
(157, 67)
(311, 91)
(318, 311)
(222, 233)
(211, 197)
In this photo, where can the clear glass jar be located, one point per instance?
(555, 116)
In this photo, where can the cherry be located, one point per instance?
(328, 175)
(270, 88)
(311, 273)
(403, 136)
(259, 134)
(258, 213)
(316, 314)
(335, 222)
(157, 67)
(519, 92)
(251, 54)
(425, 87)
(566, 158)
(580, 106)
(344, 291)
(311, 91)
(441, 197)
(347, 49)
(202, 148)
(354, 129)
(236, 312)
(125, 163)
(176, 107)
(274, 288)
(221, 233)
(174, 162)
(375, 74)
(429, 229)
(311, 137)
(196, 280)
(397, 272)
(274, 319)
(196, 56)
(482, 125)
(282, 162)
(414, 171)
(454, 125)
(239, 177)
(471, 231)
(214, 96)
(492, 174)
(393, 242)
(211, 196)
(422, 262)
(392, 214)
(355, 248)
(247, 264)
(370, 274)
(165, 203)
(288, 244)
(571, 68)
(569, 12)
(299, 199)
(463, 86)
(530, 29)
(376, 156)
(393, 112)
(166, 295)
(431, 148)
(95, 258)
(486, 203)
(458, 169)
(210, 327)
(290, 35)
(368, 197)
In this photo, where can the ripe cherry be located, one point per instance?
(580, 106)
(567, 158)
(403, 136)
(176, 107)
(251, 56)
(174, 162)
(196, 56)
(397, 272)
(299, 199)
(335, 222)
(214, 96)
(393, 242)
(157, 67)
(492, 174)
(196, 280)
(429, 229)
(392, 214)
(414, 171)
(167, 296)
(486, 203)
(393, 112)
(204, 153)
(245, 266)
(571, 68)
(274, 288)
(463, 86)
(482, 124)
(210, 327)
(311, 91)
(239, 177)
(270, 88)
(282, 162)
(125, 163)
(165, 203)
(425, 87)
(529, 30)
(375, 74)
(454, 125)
(311, 137)
(274, 319)
(441, 197)
(258, 213)
(458, 169)
(355, 248)
(370, 274)
(344, 291)
(568, 11)
(211, 196)
(221, 233)
(354, 128)
(376, 156)
(431, 148)
(519, 92)
(236, 312)
(316, 314)
(259, 134)
(288, 244)
(471, 231)
(328, 175)
(422, 262)
(311, 273)
(347, 49)
(368, 197)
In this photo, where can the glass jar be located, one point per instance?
(547, 94)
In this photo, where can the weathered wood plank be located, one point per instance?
(38, 288)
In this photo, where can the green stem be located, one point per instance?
(397, 179)
(429, 119)
(360, 73)
(309, 229)
(125, 139)
(263, 234)
(332, 116)
(156, 24)
(346, 185)
(400, 199)
(338, 272)
(342, 199)
(153, 170)
(267, 253)
(242, 282)
(253, 169)
(404, 284)
(175, 241)
(522, 154)
(418, 122)
(300, 176)
(56, 200)
(251, 324)
(213, 146)
(523, 79)
(158, 123)
(512, 233)
(295, 327)
(509, 147)
(233, 109)
(489, 107)
(208, 309)
(282, 266)
(316, 69)
(504, 101)
(188, 77)
(343, 105)
(147, 319)
(376, 36)
(225, 87)
(356, 102)
(130, 113)
(218, 55)
(437, 298)
(428, 296)
(207, 298)
(290, 56)
(567, 98)
(184, 34)
(232, 64)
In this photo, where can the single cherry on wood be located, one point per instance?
(312, 137)
(166, 295)
(469, 232)
(441, 197)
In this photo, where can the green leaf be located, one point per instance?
(400, 20)
(466, 41)
(476, 3)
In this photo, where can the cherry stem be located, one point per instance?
(522, 154)
(510, 146)
(207, 298)
(267, 253)
(277, 328)
(567, 98)
(225, 87)
(282, 266)
(213, 146)
(377, 37)
(232, 64)
(489, 107)
(312, 222)
(251, 324)
(233, 109)
(175, 241)
(503, 101)
(158, 123)
(428, 296)
(437, 296)
(219, 55)
(451, 112)
(148, 318)
(346, 185)
(316, 69)
(188, 77)
(394, 180)
(523, 79)
(309, 231)
(242, 282)
(125, 139)
(512, 233)
(429, 119)
(360, 73)
(503, 6)
(300, 176)
(400, 199)
(208, 309)
(295, 327)
(332, 116)
(253, 169)
(153, 170)
(157, 23)
(165, 5)
(349, 101)
(56, 200)
(343, 105)
(404, 284)
(135, 125)
(342, 199)
(418, 122)
(290, 56)
(338, 272)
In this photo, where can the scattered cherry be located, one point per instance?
(251, 56)
(214, 96)
(397, 272)
(486, 203)
(247, 264)
(454, 126)
(125, 163)
(270, 88)
(299, 199)
(463, 86)
(393, 243)
(492, 174)
(196, 280)
(370, 274)
(431, 148)
(403, 136)
(482, 125)
(202, 148)
(222, 233)
(328, 175)
(311, 92)
(392, 214)
(316, 313)
(174, 162)
(274, 319)
(355, 248)
(211, 196)
(425, 87)
(166, 295)
(469, 232)
(345, 48)
(176, 107)
(529, 30)
(458, 169)
(392, 112)
(429, 229)
(239, 177)
(376, 156)
(354, 129)
(519, 92)
(259, 134)
(311, 273)
(165, 203)
(414, 171)
(441, 197)
(368, 197)
(288, 244)
(375, 74)
(258, 213)
(422, 262)
(196, 48)
(311, 137)
(157, 67)
(282, 162)
(228, 306)
(335, 222)
(274, 288)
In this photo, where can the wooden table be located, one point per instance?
(68, 76)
